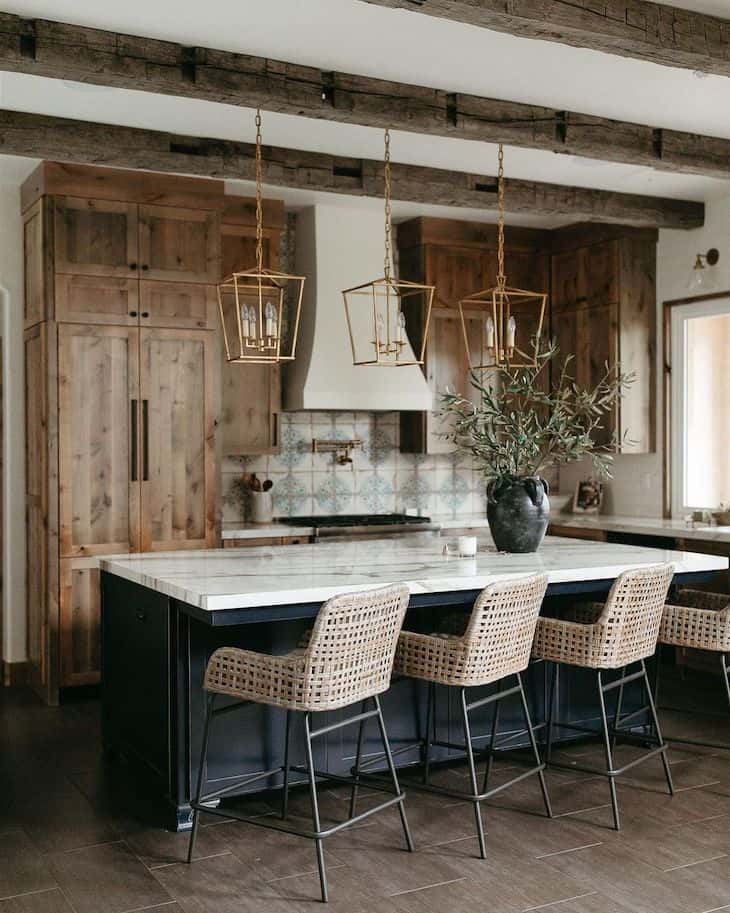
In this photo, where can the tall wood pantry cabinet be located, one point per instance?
(122, 378)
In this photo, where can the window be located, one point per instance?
(700, 337)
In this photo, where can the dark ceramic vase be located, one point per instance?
(518, 511)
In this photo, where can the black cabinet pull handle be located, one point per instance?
(145, 266)
(145, 440)
(134, 435)
(145, 314)
(141, 616)
(133, 266)
(132, 313)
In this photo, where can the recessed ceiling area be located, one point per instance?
(402, 46)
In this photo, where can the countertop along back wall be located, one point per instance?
(636, 488)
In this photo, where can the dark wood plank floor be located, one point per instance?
(73, 837)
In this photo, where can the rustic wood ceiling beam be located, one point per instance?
(65, 140)
(640, 29)
(61, 51)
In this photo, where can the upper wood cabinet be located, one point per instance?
(96, 300)
(36, 292)
(251, 394)
(180, 305)
(460, 258)
(604, 312)
(95, 237)
(179, 244)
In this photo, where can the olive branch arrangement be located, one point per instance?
(524, 422)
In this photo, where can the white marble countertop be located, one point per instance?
(281, 575)
(244, 530)
(648, 526)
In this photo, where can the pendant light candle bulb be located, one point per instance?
(270, 315)
(511, 333)
(401, 329)
(489, 328)
(245, 322)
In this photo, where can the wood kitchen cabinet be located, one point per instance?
(603, 306)
(122, 391)
(251, 394)
(460, 258)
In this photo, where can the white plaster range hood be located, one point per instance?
(338, 247)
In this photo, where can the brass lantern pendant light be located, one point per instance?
(260, 308)
(388, 318)
(511, 320)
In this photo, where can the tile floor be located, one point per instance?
(73, 837)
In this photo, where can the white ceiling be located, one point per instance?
(362, 38)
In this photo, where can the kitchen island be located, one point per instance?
(164, 614)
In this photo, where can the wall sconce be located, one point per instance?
(699, 279)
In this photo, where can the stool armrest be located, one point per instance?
(700, 628)
(568, 641)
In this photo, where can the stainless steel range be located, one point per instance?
(364, 525)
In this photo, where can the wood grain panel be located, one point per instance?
(95, 237)
(97, 299)
(99, 498)
(179, 244)
(34, 302)
(178, 453)
(178, 304)
(36, 466)
(80, 618)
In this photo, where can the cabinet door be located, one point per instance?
(178, 426)
(97, 299)
(602, 271)
(187, 305)
(458, 272)
(95, 237)
(251, 394)
(179, 244)
(80, 642)
(570, 281)
(98, 439)
(591, 336)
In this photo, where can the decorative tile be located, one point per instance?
(333, 491)
(291, 495)
(379, 447)
(295, 448)
(454, 492)
(376, 493)
(414, 490)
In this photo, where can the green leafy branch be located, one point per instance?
(522, 423)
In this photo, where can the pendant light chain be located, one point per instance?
(259, 197)
(388, 217)
(501, 277)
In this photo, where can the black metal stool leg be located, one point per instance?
(725, 674)
(393, 774)
(617, 714)
(473, 775)
(358, 757)
(285, 787)
(492, 745)
(315, 807)
(430, 730)
(657, 728)
(533, 743)
(551, 713)
(201, 774)
(609, 754)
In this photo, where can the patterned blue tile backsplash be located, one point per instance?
(380, 479)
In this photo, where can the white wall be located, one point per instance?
(11, 327)
(636, 488)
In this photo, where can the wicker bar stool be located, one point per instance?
(701, 621)
(494, 647)
(348, 659)
(611, 636)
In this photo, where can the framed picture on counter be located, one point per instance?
(588, 497)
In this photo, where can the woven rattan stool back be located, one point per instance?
(352, 647)
(628, 626)
(496, 642)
